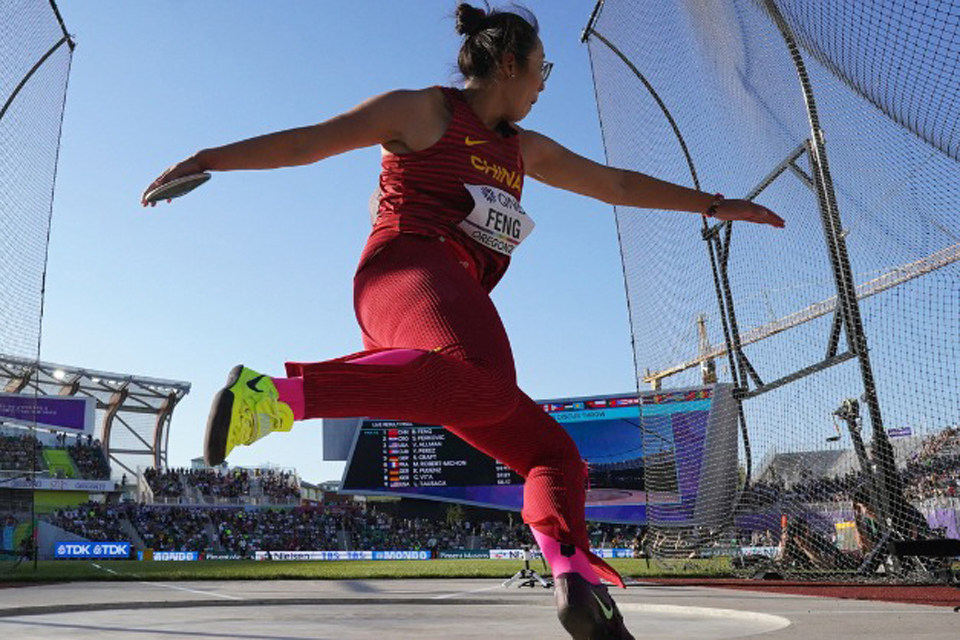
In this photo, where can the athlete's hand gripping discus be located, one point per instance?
(175, 188)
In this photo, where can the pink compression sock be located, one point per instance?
(392, 356)
(291, 392)
(565, 558)
(291, 389)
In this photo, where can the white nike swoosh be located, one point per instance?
(608, 613)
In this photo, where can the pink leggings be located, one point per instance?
(414, 294)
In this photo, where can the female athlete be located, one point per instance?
(447, 219)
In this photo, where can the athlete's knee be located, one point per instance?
(561, 452)
(493, 391)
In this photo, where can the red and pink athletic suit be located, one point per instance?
(437, 352)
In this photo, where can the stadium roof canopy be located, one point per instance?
(133, 412)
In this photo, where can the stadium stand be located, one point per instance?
(51, 455)
(239, 486)
(211, 484)
(171, 528)
(89, 459)
(164, 484)
(20, 453)
(223, 511)
(132, 416)
(245, 531)
(94, 521)
(931, 469)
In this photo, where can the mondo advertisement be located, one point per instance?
(176, 556)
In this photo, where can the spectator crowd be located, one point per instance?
(170, 528)
(932, 471)
(24, 452)
(95, 521)
(213, 485)
(89, 459)
(247, 531)
(340, 527)
(164, 484)
(20, 453)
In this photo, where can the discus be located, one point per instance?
(176, 188)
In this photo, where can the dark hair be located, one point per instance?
(492, 33)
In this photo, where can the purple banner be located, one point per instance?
(900, 432)
(70, 414)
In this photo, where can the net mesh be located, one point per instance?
(706, 93)
(35, 55)
(32, 102)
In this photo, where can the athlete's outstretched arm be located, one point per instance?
(379, 120)
(551, 163)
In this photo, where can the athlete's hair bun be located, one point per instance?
(470, 20)
(492, 33)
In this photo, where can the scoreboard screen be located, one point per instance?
(401, 455)
(642, 452)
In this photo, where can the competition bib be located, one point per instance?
(497, 221)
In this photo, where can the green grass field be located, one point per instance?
(74, 570)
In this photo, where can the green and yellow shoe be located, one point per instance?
(244, 411)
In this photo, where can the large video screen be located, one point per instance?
(632, 460)
(403, 456)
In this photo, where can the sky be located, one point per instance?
(256, 267)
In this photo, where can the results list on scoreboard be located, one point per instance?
(427, 456)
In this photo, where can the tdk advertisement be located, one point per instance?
(93, 550)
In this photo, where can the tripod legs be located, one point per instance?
(527, 577)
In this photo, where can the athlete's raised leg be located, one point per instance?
(436, 353)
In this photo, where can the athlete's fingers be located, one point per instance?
(774, 220)
(182, 168)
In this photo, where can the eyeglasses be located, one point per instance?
(545, 70)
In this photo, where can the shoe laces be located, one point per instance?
(259, 418)
(247, 429)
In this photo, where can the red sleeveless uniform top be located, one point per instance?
(423, 192)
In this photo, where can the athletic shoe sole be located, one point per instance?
(588, 612)
(579, 623)
(218, 422)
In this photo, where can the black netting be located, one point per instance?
(900, 55)
(35, 56)
(31, 104)
(706, 93)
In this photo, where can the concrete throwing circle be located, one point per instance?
(675, 621)
(422, 619)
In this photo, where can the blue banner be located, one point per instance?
(592, 415)
(92, 550)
